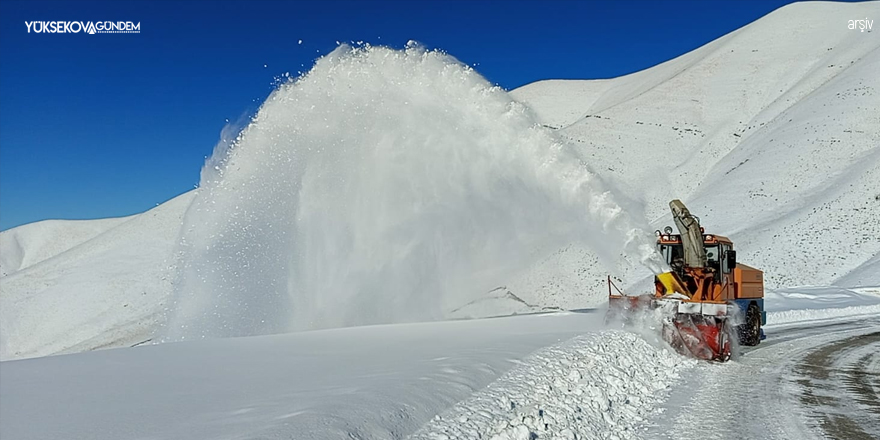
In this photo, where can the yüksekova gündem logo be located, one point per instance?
(86, 27)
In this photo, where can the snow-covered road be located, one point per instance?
(842, 388)
(808, 381)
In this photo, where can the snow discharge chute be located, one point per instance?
(382, 186)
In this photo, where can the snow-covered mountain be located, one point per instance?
(770, 134)
(104, 286)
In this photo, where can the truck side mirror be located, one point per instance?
(731, 260)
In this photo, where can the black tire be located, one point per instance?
(750, 331)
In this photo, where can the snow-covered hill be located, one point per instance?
(106, 290)
(770, 134)
(34, 243)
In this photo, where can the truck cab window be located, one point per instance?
(724, 253)
(671, 252)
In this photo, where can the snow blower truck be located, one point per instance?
(706, 300)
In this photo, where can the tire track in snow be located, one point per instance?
(840, 390)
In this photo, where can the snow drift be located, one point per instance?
(383, 186)
(594, 386)
(371, 382)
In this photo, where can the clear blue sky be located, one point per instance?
(108, 125)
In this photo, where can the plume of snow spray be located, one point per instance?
(382, 186)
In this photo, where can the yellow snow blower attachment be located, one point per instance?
(704, 298)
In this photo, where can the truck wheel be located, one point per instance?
(750, 331)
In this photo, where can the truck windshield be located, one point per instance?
(671, 252)
(713, 254)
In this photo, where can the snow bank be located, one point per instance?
(599, 385)
(806, 315)
(811, 303)
(374, 382)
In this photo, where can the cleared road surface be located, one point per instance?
(821, 381)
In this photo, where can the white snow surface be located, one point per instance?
(34, 243)
(365, 382)
(770, 134)
(585, 388)
(106, 291)
(813, 303)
